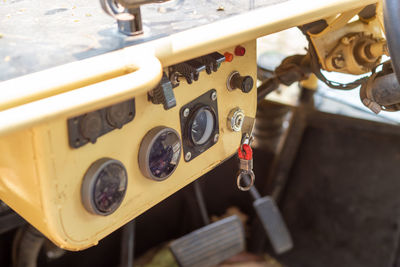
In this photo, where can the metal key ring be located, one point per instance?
(241, 176)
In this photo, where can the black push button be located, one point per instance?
(244, 83)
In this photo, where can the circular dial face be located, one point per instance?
(104, 186)
(164, 154)
(110, 187)
(202, 126)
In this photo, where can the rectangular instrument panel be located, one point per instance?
(47, 190)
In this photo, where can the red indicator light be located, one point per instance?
(240, 51)
(228, 57)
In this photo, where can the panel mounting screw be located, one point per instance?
(216, 138)
(188, 156)
(214, 96)
(186, 112)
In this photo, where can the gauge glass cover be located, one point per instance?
(104, 186)
(164, 154)
(202, 126)
(110, 187)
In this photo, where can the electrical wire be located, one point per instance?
(316, 69)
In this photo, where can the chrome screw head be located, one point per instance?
(186, 112)
(216, 137)
(214, 96)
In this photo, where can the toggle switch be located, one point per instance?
(163, 93)
(212, 61)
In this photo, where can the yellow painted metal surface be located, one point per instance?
(172, 49)
(41, 176)
(336, 39)
(46, 190)
(144, 73)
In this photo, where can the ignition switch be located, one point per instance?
(236, 81)
(235, 119)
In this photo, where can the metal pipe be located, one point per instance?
(200, 201)
(133, 26)
(172, 49)
(50, 94)
(85, 99)
(248, 26)
(26, 247)
(64, 78)
(128, 244)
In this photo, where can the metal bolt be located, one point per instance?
(214, 96)
(346, 40)
(188, 156)
(186, 112)
(338, 62)
(216, 137)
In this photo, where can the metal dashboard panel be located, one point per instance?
(47, 190)
(39, 34)
(40, 175)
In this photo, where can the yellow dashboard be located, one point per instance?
(51, 180)
(66, 132)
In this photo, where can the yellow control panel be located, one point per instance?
(52, 183)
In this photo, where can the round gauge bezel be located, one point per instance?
(198, 109)
(145, 149)
(89, 182)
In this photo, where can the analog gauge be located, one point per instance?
(104, 186)
(202, 125)
(159, 153)
(199, 124)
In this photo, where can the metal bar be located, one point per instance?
(281, 166)
(169, 50)
(64, 78)
(248, 26)
(201, 202)
(253, 190)
(128, 244)
(182, 46)
(84, 99)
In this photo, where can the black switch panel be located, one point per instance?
(90, 126)
(212, 61)
(190, 70)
